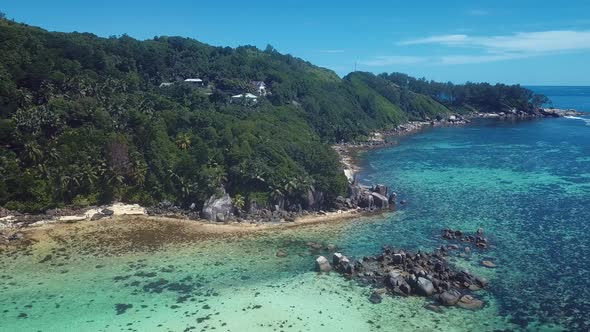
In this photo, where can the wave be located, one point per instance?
(587, 121)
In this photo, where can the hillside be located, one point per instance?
(87, 120)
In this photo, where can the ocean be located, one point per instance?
(526, 183)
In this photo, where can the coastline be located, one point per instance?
(139, 230)
(348, 151)
(12, 227)
(128, 216)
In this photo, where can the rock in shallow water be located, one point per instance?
(424, 287)
(434, 307)
(322, 264)
(375, 298)
(407, 273)
(488, 264)
(449, 298)
(470, 303)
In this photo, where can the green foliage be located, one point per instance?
(482, 97)
(239, 202)
(83, 120)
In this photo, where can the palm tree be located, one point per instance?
(305, 183)
(276, 194)
(183, 141)
(32, 152)
(289, 187)
(138, 169)
(239, 202)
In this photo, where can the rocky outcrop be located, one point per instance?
(405, 273)
(315, 200)
(218, 208)
(556, 112)
(529, 114)
(478, 239)
(381, 189)
(424, 287)
(380, 201)
(371, 198)
(322, 264)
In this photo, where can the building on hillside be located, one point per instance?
(194, 81)
(165, 84)
(259, 87)
(247, 98)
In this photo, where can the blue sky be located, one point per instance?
(512, 41)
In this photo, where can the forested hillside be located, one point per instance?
(468, 97)
(86, 120)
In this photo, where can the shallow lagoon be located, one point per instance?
(525, 183)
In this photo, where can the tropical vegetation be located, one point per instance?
(86, 120)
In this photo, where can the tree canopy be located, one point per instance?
(86, 120)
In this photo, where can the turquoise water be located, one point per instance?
(526, 183)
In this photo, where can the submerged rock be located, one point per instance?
(121, 308)
(470, 303)
(456, 235)
(434, 307)
(375, 298)
(488, 264)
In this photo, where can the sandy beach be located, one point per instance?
(142, 230)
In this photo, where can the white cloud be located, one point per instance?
(473, 59)
(491, 48)
(460, 59)
(388, 60)
(442, 39)
(526, 42)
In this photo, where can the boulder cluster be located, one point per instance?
(478, 239)
(405, 273)
(221, 208)
(368, 198)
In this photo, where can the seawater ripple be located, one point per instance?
(527, 185)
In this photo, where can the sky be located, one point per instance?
(511, 41)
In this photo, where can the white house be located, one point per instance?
(248, 97)
(194, 81)
(165, 84)
(260, 87)
(245, 95)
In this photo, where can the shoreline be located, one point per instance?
(348, 151)
(13, 232)
(145, 229)
(11, 227)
